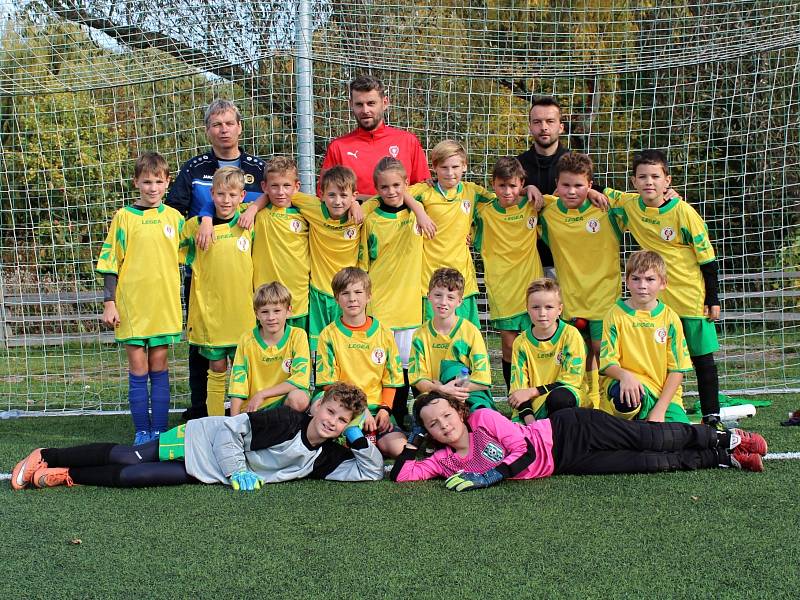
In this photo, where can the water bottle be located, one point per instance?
(731, 415)
(463, 378)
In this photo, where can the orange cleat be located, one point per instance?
(52, 477)
(22, 475)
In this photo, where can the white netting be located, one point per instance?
(86, 88)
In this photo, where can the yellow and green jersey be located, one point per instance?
(221, 298)
(585, 245)
(464, 344)
(280, 252)
(142, 250)
(560, 359)
(680, 236)
(333, 244)
(648, 344)
(452, 212)
(258, 366)
(367, 359)
(506, 239)
(391, 252)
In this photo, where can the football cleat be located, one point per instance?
(22, 475)
(747, 461)
(46, 477)
(750, 441)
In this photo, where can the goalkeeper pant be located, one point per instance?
(115, 465)
(592, 442)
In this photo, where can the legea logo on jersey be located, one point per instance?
(668, 234)
(378, 356)
(493, 452)
(531, 222)
(350, 233)
(243, 244)
(660, 335)
(295, 225)
(592, 225)
(287, 365)
(169, 231)
(394, 151)
(466, 206)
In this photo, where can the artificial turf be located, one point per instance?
(720, 533)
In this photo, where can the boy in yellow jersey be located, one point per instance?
(359, 350)
(505, 235)
(450, 203)
(391, 253)
(272, 363)
(643, 349)
(141, 298)
(448, 354)
(671, 227)
(280, 248)
(220, 307)
(585, 243)
(548, 360)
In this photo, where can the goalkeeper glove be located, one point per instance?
(464, 481)
(246, 481)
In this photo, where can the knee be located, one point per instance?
(616, 399)
(298, 400)
(560, 399)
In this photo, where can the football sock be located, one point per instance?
(400, 405)
(88, 455)
(215, 400)
(707, 383)
(593, 385)
(138, 401)
(159, 399)
(507, 374)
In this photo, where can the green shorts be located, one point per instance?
(217, 353)
(322, 311)
(674, 413)
(701, 335)
(152, 342)
(171, 444)
(467, 310)
(540, 408)
(593, 330)
(518, 323)
(299, 322)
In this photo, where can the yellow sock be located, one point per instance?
(215, 394)
(593, 384)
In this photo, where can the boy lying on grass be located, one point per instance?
(244, 452)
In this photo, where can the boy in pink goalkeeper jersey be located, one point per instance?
(483, 448)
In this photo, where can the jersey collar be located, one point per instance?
(264, 345)
(582, 208)
(342, 220)
(372, 134)
(349, 332)
(139, 211)
(456, 327)
(667, 206)
(659, 308)
(553, 340)
(458, 192)
(502, 210)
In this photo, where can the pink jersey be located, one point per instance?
(361, 150)
(494, 442)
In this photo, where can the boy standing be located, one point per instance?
(357, 349)
(391, 253)
(220, 310)
(585, 243)
(643, 349)
(448, 345)
(141, 298)
(280, 248)
(271, 366)
(673, 229)
(505, 235)
(549, 358)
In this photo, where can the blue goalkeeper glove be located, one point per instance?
(465, 481)
(246, 481)
(353, 433)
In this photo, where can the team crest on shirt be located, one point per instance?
(466, 206)
(592, 225)
(169, 231)
(287, 365)
(532, 222)
(667, 234)
(493, 452)
(660, 335)
(350, 233)
(378, 355)
(559, 358)
(249, 179)
(295, 225)
(243, 244)
(394, 151)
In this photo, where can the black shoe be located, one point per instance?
(793, 420)
(714, 422)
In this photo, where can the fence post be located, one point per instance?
(305, 96)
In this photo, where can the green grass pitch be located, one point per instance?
(721, 534)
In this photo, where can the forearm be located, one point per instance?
(110, 287)
(614, 371)
(710, 277)
(427, 386)
(236, 405)
(414, 206)
(278, 390)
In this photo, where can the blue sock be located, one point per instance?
(159, 397)
(138, 400)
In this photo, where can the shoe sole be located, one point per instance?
(18, 474)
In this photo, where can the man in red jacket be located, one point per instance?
(367, 144)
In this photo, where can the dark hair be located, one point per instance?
(367, 83)
(340, 176)
(544, 101)
(650, 157)
(449, 278)
(151, 162)
(574, 162)
(351, 397)
(508, 167)
(424, 400)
